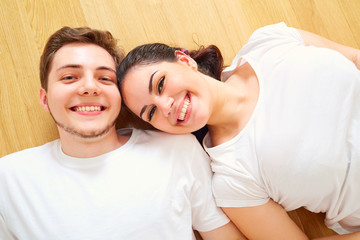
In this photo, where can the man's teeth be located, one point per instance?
(88, 108)
(184, 109)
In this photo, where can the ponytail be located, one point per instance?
(209, 60)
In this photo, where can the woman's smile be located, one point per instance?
(184, 112)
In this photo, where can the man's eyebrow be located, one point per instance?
(69, 66)
(143, 110)
(106, 68)
(79, 66)
(151, 80)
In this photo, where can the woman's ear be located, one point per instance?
(184, 58)
(43, 100)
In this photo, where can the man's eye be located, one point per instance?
(151, 113)
(107, 79)
(161, 84)
(68, 78)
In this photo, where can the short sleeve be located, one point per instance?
(4, 234)
(237, 181)
(238, 190)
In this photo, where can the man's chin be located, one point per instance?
(92, 135)
(86, 134)
(89, 133)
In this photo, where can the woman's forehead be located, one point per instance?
(146, 71)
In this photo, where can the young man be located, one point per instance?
(95, 182)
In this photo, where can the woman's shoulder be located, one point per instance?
(275, 31)
(270, 36)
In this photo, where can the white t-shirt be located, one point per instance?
(156, 186)
(301, 147)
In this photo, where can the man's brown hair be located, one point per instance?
(68, 35)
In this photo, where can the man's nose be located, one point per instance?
(89, 86)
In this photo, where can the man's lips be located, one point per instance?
(88, 108)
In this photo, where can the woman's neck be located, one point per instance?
(235, 102)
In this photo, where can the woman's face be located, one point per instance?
(171, 96)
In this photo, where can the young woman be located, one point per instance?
(284, 124)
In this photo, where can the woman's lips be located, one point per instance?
(184, 109)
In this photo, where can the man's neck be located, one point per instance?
(75, 146)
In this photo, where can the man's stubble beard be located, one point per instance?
(86, 136)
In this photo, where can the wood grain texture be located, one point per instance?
(26, 24)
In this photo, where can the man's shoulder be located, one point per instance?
(27, 154)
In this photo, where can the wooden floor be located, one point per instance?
(26, 24)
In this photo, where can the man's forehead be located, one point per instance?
(80, 54)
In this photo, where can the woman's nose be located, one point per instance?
(165, 105)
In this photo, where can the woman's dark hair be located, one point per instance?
(209, 61)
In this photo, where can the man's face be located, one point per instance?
(82, 94)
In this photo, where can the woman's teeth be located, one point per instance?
(88, 108)
(184, 109)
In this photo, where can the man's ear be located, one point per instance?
(184, 58)
(43, 100)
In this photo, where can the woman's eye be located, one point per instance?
(161, 84)
(151, 113)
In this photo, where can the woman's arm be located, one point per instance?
(226, 232)
(352, 54)
(269, 221)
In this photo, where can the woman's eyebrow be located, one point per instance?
(151, 80)
(142, 111)
(150, 90)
